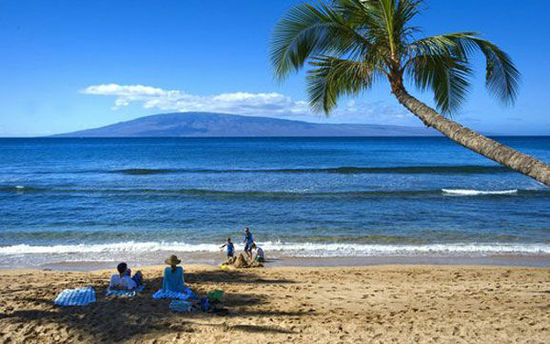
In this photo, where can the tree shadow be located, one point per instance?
(260, 329)
(114, 319)
(232, 276)
(267, 313)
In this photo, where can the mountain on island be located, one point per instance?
(202, 124)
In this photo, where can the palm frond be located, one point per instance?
(366, 13)
(367, 18)
(405, 11)
(502, 77)
(445, 75)
(332, 77)
(349, 42)
(450, 44)
(308, 31)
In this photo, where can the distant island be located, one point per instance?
(203, 124)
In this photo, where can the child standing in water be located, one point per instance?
(230, 249)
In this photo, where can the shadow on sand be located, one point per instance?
(233, 276)
(114, 319)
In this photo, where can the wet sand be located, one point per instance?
(275, 259)
(379, 304)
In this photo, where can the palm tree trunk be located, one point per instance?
(468, 138)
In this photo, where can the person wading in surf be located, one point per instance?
(248, 240)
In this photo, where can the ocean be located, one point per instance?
(93, 201)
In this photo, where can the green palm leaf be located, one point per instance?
(445, 75)
(307, 31)
(502, 77)
(378, 34)
(350, 42)
(332, 77)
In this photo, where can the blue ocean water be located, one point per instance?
(92, 199)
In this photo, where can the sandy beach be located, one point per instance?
(379, 304)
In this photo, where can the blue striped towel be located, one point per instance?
(187, 294)
(127, 293)
(75, 297)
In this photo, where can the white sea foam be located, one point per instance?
(130, 246)
(288, 249)
(19, 187)
(471, 192)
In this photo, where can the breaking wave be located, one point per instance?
(471, 192)
(292, 249)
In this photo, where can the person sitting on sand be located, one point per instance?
(123, 279)
(259, 255)
(173, 275)
(230, 249)
(248, 240)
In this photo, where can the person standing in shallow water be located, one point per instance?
(248, 240)
(230, 249)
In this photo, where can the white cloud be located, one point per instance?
(244, 103)
(175, 100)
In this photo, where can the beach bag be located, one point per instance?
(205, 305)
(181, 306)
(215, 296)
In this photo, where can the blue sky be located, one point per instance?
(70, 65)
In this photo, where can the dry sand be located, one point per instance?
(380, 304)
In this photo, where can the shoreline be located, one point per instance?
(214, 260)
(91, 255)
(383, 303)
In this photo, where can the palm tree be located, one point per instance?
(349, 44)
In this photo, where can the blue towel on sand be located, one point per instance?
(75, 297)
(127, 293)
(187, 294)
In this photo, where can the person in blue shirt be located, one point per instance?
(248, 240)
(230, 248)
(173, 275)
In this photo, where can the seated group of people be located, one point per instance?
(172, 280)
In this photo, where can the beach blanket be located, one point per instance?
(187, 294)
(75, 297)
(127, 293)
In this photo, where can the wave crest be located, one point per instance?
(451, 169)
(291, 249)
(473, 192)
